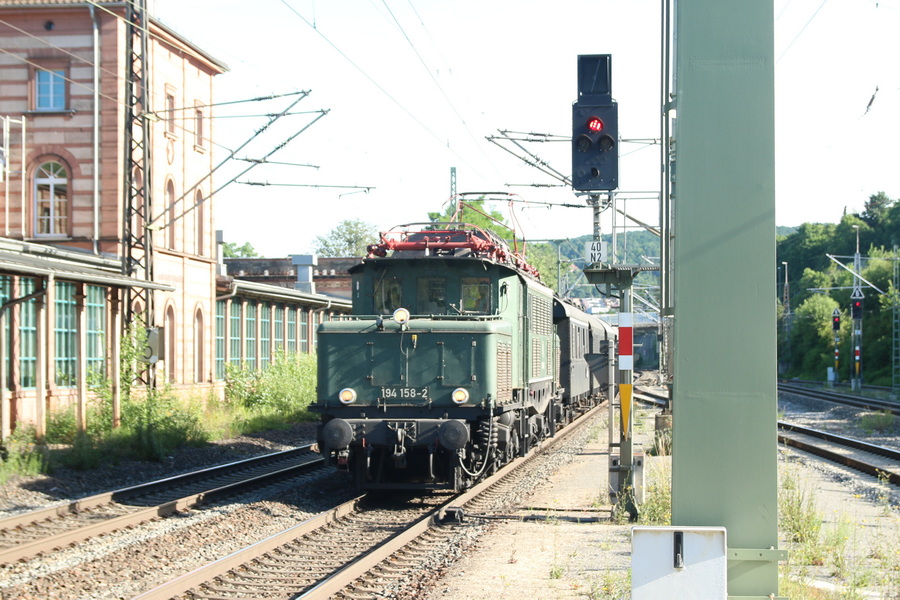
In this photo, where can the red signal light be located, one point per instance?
(595, 124)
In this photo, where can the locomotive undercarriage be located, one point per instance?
(391, 454)
(445, 453)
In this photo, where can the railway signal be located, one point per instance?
(856, 308)
(595, 127)
(836, 321)
(595, 151)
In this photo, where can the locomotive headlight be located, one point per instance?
(401, 316)
(347, 396)
(460, 396)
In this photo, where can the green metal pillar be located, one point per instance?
(724, 363)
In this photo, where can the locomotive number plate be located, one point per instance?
(404, 393)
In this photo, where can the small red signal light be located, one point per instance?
(595, 124)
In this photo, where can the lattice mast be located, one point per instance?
(137, 256)
(895, 380)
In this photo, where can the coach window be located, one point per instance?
(388, 297)
(51, 200)
(431, 296)
(476, 295)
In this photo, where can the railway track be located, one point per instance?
(842, 399)
(344, 552)
(871, 459)
(652, 396)
(26, 535)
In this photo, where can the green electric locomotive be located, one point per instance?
(447, 368)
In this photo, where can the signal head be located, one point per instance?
(595, 124)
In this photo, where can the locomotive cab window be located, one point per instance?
(388, 295)
(431, 296)
(476, 295)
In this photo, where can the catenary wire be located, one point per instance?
(802, 29)
(438, 85)
(378, 86)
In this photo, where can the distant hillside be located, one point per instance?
(785, 231)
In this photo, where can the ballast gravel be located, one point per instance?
(512, 558)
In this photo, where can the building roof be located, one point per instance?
(26, 259)
(275, 292)
(106, 5)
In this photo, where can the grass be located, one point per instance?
(854, 558)
(156, 423)
(831, 557)
(881, 421)
(609, 585)
(657, 506)
(20, 456)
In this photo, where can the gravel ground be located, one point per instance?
(513, 558)
(558, 558)
(129, 562)
(21, 494)
(841, 420)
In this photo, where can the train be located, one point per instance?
(454, 360)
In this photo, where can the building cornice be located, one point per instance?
(164, 31)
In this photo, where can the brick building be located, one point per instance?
(62, 104)
(310, 273)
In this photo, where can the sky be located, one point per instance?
(413, 87)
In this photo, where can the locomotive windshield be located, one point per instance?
(388, 295)
(431, 296)
(476, 295)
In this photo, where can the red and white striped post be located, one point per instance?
(626, 368)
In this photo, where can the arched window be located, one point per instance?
(199, 376)
(199, 214)
(170, 344)
(51, 200)
(169, 215)
(137, 309)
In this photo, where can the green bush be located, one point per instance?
(61, 427)
(880, 421)
(155, 422)
(285, 388)
(159, 423)
(20, 456)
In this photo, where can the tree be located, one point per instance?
(812, 339)
(232, 250)
(543, 257)
(349, 239)
(475, 213)
(876, 208)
